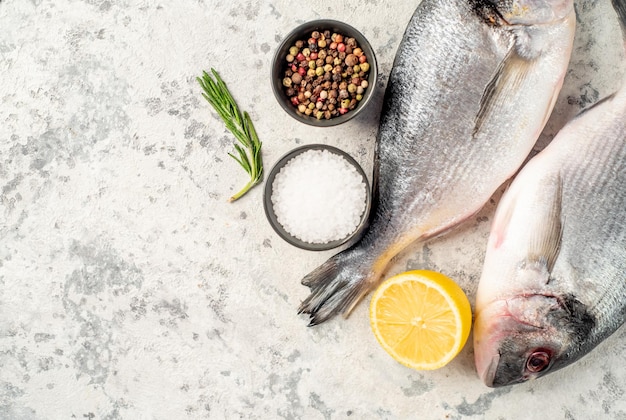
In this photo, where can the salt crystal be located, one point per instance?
(319, 197)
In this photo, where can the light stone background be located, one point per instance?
(131, 289)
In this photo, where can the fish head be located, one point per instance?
(534, 12)
(527, 336)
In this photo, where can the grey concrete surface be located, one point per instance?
(131, 289)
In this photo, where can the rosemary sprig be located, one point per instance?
(249, 147)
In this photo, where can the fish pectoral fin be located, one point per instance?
(508, 78)
(502, 218)
(546, 238)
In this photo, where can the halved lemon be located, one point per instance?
(421, 318)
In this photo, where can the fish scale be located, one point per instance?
(472, 85)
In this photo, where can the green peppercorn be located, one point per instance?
(310, 73)
(312, 64)
(290, 58)
(359, 97)
(287, 82)
(311, 106)
(365, 66)
(293, 50)
(321, 43)
(302, 108)
(319, 71)
(356, 68)
(352, 88)
(306, 52)
(345, 103)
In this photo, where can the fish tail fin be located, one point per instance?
(334, 289)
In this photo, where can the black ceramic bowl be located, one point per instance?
(303, 32)
(278, 228)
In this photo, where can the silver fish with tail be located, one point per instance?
(553, 284)
(472, 86)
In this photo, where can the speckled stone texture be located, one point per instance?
(131, 289)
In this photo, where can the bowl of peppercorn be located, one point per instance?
(324, 73)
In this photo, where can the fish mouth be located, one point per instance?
(487, 370)
(492, 326)
(487, 336)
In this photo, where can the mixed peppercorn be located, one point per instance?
(326, 75)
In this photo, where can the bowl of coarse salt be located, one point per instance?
(317, 197)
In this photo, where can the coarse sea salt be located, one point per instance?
(319, 197)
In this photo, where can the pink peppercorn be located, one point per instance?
(294, 100)
(333, 45)
(362, 59)
(343, 110)
(313, 56)
(300, 57)
(341, 47)
(302, 71)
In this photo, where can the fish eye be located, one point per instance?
(538, 361)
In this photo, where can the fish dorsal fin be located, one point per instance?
(508, 77)
(545, 242)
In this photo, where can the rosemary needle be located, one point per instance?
(249, 147)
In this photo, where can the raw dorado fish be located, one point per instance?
(472, 86)
(554, 279)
